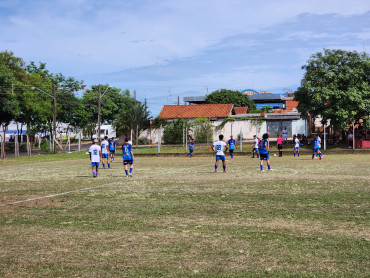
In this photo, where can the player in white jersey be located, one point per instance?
(219, 147)
(105, 152)
(296, 145)
(255, 146)
(95, 153)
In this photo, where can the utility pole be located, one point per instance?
(99, 111)
(54, 116)
(178, 100)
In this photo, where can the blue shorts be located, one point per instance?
(191, 150)
(264, 156)
(104, 155)
(296, 148)
(316, 150)
(125, 162)
(93, 164)
(255, 149)
(220, 157)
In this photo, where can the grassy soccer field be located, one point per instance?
(177, 218)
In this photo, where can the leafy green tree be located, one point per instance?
(135, 117)
(112, 103)
(70, 109)
(11, 72)
(203, 130)
(173, 132)
(230, 96)
(336, 86)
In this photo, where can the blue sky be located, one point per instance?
(169, 48)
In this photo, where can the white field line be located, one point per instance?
(89, 188)
(108, 184)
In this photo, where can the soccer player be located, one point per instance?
(112, 148)
(219, 147)
(316, 147)
(296, 145)
(263, 148)
(279, 143)
(191, 148)
(95, 154)
(128, 157)
(231, 144)
(105, 152)
(285, 135)
(255, 146)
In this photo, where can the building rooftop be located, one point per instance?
(196, 111)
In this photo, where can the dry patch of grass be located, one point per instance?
(176, 218)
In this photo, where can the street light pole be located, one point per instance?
(99, 111)
(54, 115)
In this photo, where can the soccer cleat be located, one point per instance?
(215, 171)
(270, 170)
(126, 176)
(224, 171)
(262, 171)
(130, 175)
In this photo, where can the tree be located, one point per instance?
(336, 86)
(203, 130)
(11, 70)
(113, 103)
(69, 108)
(229, 96)
(135, 117)
(173, 132)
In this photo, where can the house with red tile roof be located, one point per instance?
(210, 111)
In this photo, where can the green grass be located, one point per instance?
(177, 218)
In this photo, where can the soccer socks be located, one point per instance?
(224, 168)
(261, 167)
(130, 170)
(108, 165)
(93, 173)
(269, 166)
(126, 172)
(298, 154)
(103, 166)
(191, 155)
(294, 154)
(215, 168)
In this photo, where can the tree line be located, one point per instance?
(26, 96)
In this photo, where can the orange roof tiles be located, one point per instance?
(196, 111)
(241, 110)
(290, 104)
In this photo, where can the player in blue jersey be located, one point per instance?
(316, 147)
(263, 148)
(219, 147)
(95, 157)
(296, 145)
(231, 143)
(105, 152)
(191, 148)
(112, 148)
(128, 157)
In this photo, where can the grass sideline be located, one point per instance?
(176, 218)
